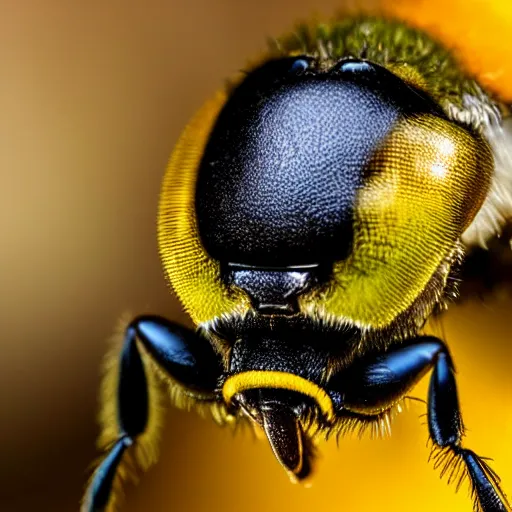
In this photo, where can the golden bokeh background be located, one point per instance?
(93, 96)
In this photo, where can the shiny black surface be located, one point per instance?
(279, 176)
(444, 420)
(379, 380)
(186, 356)
(279, 413)
(485, 483)
(365, 389)
(101, 487)
(273, 291)
(301, 352)
(132, 393)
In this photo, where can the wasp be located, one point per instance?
(314, 216)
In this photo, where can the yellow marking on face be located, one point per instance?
(194, 276)
(421, 190)
(277, 380)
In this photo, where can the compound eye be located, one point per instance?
(354, 66)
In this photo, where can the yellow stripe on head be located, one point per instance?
(194, 276)
(277, 380)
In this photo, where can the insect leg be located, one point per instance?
(183, 355)
(376, 383)
(447, 430)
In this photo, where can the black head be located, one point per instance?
(279, 176)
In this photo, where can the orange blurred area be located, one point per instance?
(476, 30)
(93, 98)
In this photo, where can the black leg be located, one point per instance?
(189, 361)
(378, 382)
(447, 430)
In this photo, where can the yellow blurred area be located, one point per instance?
(93, 96)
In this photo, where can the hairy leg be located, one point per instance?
(151, 344)
(376, 383)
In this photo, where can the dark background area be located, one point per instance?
(93, 97)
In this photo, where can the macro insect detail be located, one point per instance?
(313, 217)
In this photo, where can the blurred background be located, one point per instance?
(93, 96)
